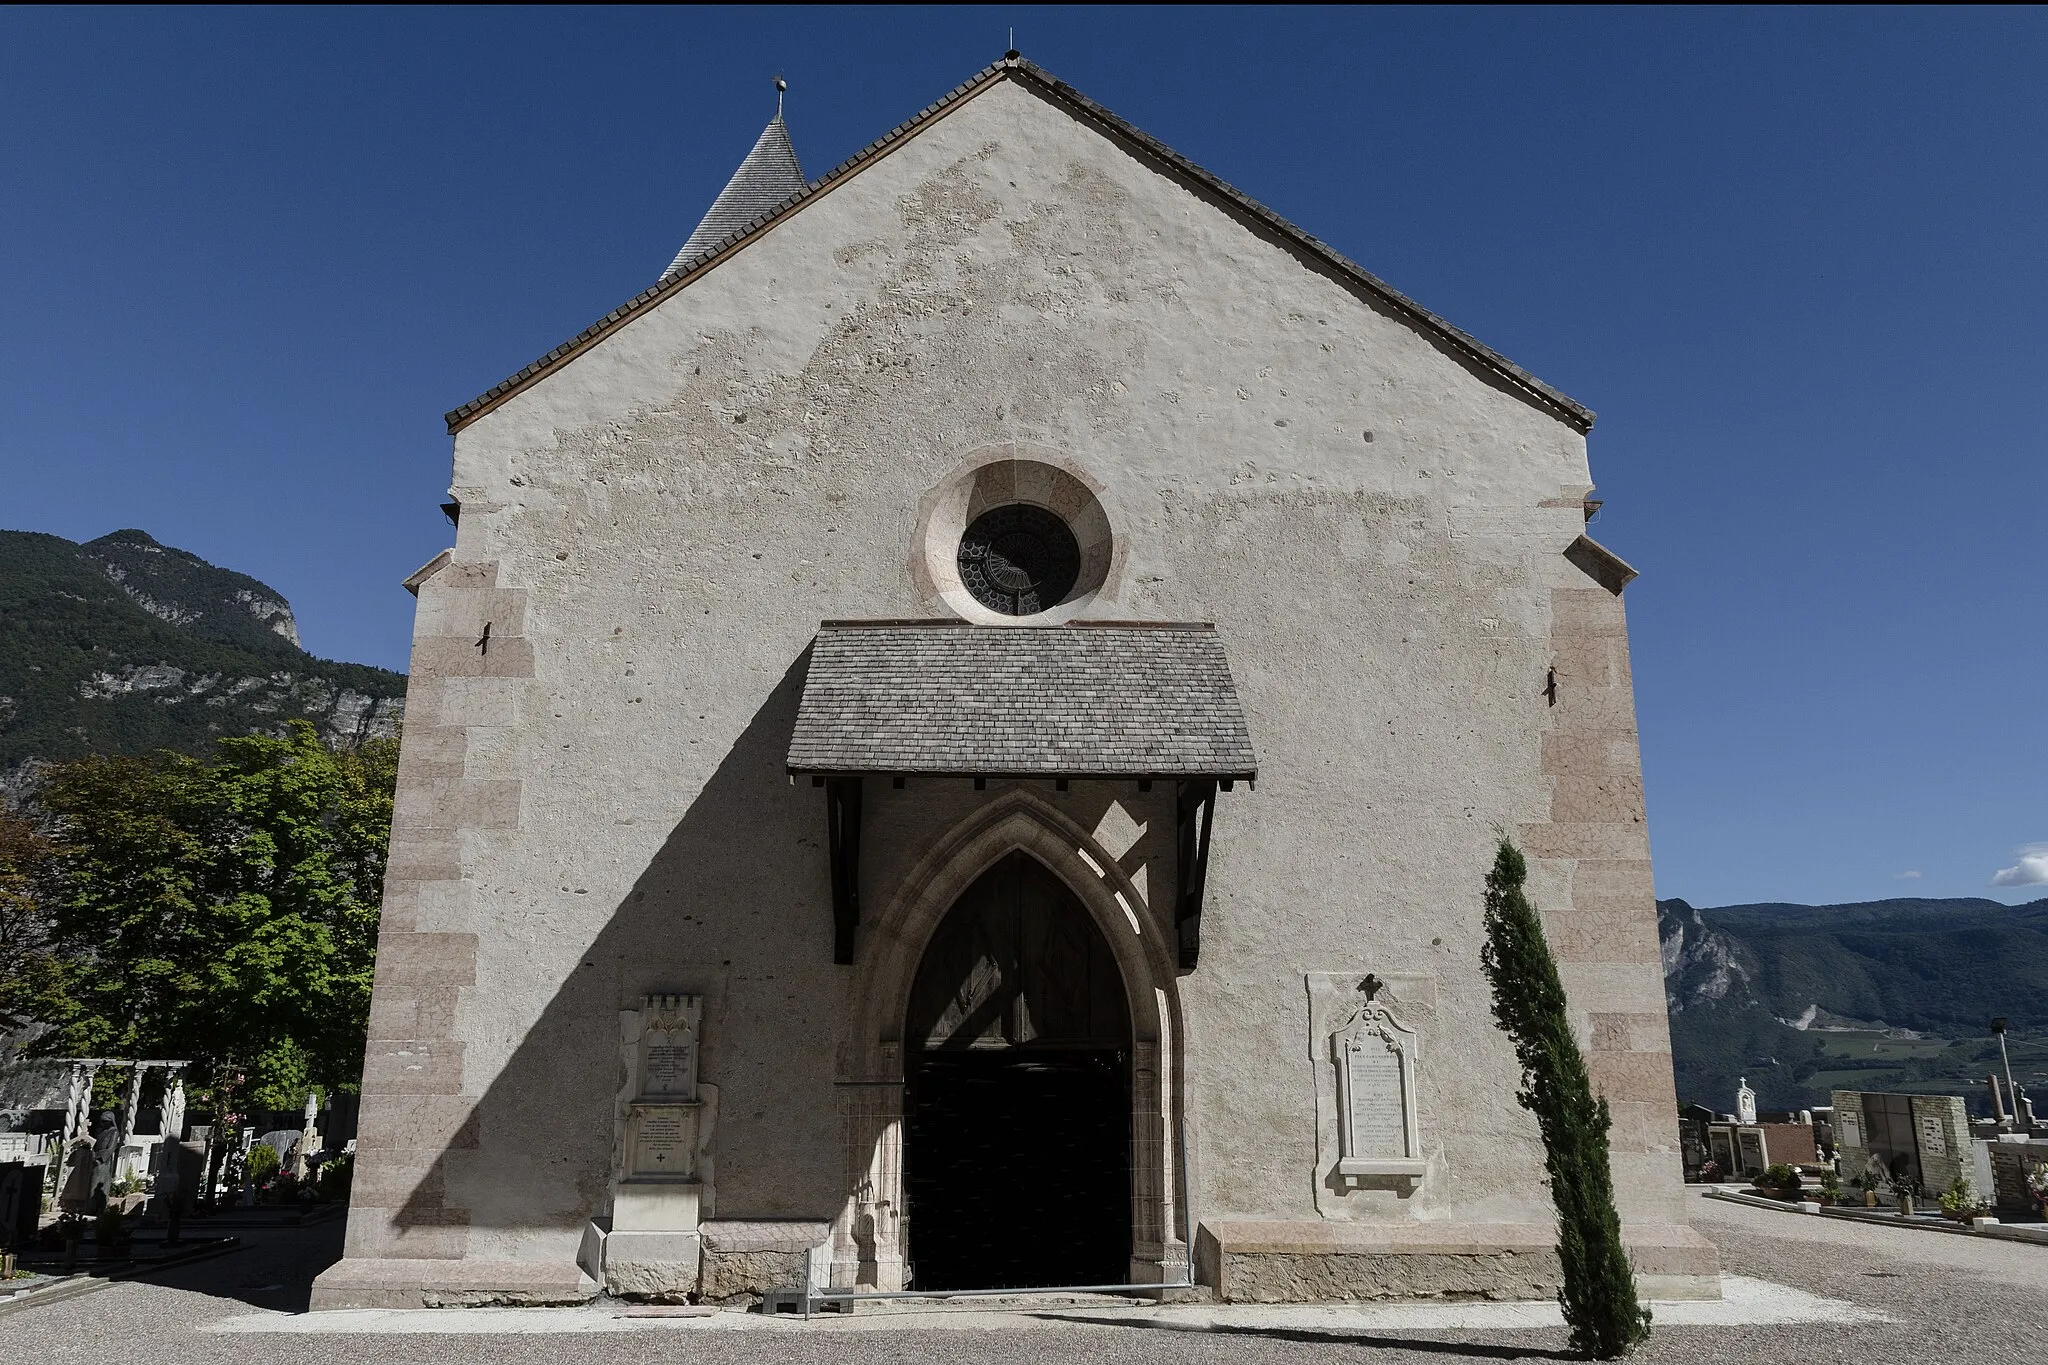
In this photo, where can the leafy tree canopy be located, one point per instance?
(221, 911)
(27, 860)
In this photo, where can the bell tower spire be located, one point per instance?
(769, 175)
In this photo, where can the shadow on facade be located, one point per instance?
(736, 906)
(743, 873)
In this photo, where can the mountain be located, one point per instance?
(1894, 994)
(123, 646)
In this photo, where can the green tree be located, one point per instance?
(222, 911)
(1599, 1295)
(27, 860)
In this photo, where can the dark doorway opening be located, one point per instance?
(1017, 1133)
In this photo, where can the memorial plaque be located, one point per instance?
(669, 1027)
(1379, 1125)
(1933, 1136)
(1378, 1132)
(671, 1067)
(662, 1141)
(1752, 1146)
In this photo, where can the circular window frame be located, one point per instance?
(1001, 476)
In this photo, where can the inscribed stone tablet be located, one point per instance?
(671, 1070)
(1933, 1139)
(1379, 1125)
(664, 1139)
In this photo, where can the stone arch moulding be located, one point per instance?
(867, 1237)
(1013, 472)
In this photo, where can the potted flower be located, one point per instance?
(1960, 1202)
(1779, 1181)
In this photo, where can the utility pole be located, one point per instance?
(2012, 1094)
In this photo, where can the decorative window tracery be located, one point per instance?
(1019, 559)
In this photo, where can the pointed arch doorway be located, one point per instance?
(1017, 1105)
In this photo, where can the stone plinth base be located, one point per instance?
(395, 1283)
(1298, 1262)
(746, 1258)
(641, 1263)
(1673, 1262)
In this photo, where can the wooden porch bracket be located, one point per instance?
(842, 838)
(1194, 812)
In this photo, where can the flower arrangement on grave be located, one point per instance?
(1781, 1180)
(1960, 1202)
(2037, 1187)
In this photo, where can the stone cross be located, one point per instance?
(307, 1135)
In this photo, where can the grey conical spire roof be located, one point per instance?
(768, 176)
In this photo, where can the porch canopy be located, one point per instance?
(1099, 700)
(944, 698)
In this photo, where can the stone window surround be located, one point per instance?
(997, 475)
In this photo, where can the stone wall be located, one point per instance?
(595, 806)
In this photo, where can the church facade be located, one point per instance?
(958, 746)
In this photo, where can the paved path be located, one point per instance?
(1896, 1295)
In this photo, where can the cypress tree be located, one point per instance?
(1599, 1294)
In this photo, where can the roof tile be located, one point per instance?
(1077, 700)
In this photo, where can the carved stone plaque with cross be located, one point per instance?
(1378, 1130)
(661, 1141)
(662, 1119)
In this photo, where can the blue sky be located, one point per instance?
(1794, 258)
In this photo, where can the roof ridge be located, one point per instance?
(1543, 395)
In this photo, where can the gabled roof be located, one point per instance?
(1042, 82)
(768, 176)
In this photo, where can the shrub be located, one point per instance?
(1599, 1293)
(1779, 1177)
(261, 1164)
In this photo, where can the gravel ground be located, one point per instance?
(1949, 1299)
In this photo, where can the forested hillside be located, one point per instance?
(1892, 994)
(124, 646)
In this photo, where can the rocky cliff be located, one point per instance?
(1801, 997)
(122, 645)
